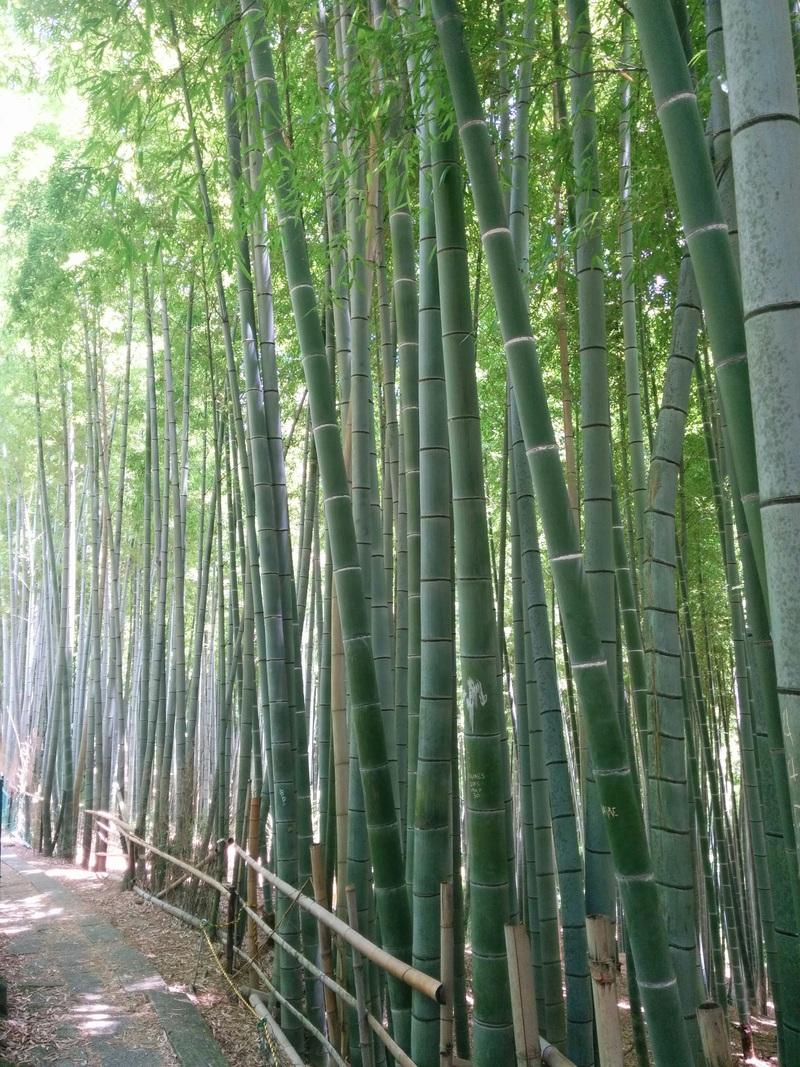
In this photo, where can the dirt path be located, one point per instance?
(80, 993)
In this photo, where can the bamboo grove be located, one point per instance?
(400, 426)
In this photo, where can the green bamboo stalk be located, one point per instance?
(116, 542)
(327, 800)
(56, 694)
(528, 879)
(618, 795)
(669, 809)
(750, 776)
(389, 422)
(67, 839)
(629, 332)
(433, 850)
(144, 762)
(281, 724)
(707, 239)
(632, 629)
(595, 417)
(715, 961)
(484, 726)
(773, 777)
(406, 306)
(292, 605)
(765, 144)
(717, 821)
(562, 192)
(553, 1017)
(178, 657)
(94, 760)
(548, 724)
(404, 287)
(580, 1044)
(383, 829)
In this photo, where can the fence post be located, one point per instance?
(230, 929)
(523, 997)
(714, 1034)
(359, 980)
(131, 875)
(603, 968)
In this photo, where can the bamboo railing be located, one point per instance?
(440, 991)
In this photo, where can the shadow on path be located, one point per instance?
(88, 997)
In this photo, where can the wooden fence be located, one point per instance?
(531, 1049)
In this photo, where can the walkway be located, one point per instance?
(94, 999)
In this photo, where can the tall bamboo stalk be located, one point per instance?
(617, 791)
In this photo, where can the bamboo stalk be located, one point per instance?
(402, 1059)
(252, 875)
(230, 929)
(600, 935)
(523, 996)
(326, 958)
(714, 1034)
(446, 972)
(359, 980)
(171, 909)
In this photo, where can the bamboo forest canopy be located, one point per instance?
(399, 415)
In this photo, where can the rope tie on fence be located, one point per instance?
(267, 1043)
(293, 904)
(223, 972)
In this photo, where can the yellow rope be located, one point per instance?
(225, 974)
(263, 1026)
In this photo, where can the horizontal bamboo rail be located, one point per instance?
(129, 834)
(403, 972)
(295, 953)
(171, 909)
(552, 1056)
(307, 1025)
(402, 1058)
(339, 990)
(287, 1049)
(186, 875)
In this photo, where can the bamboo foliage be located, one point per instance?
(279, 452)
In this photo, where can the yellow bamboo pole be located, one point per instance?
(403, 972)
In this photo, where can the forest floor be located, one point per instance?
(98, 980)
(765, 1040)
